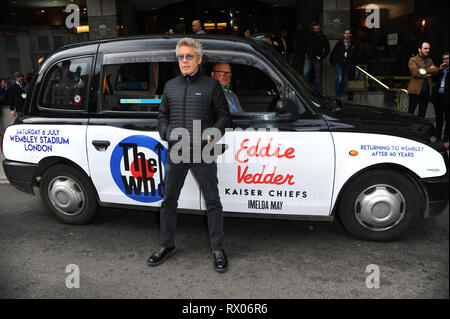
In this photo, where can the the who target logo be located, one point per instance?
(137, 167)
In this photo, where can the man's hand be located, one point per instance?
(13, 113)
(317, 57)
(443, 66)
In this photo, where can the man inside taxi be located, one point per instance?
(222, 73)
(188, 98)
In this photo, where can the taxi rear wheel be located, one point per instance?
(380, 205)
(68, 194)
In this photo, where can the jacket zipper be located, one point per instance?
(184, 103)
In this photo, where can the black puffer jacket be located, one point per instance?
(189, 98)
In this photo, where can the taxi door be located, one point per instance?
(127, 162)
(288, 170)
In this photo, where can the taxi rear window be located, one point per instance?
(135, 87)
(66, 85)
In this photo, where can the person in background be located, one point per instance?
(247, 33)
(16, 95)
(420, 84)
(441, 103)
(317, 49)
(343, 57)
(3, 92)
(40, 59)
(197, 27)
(222, 73)
(286, 45)
(299, 48)
(180, 28)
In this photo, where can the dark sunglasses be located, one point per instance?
(190, 57)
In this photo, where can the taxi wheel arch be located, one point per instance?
(380, 204)
(68, 193)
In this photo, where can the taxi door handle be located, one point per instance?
(101, 145)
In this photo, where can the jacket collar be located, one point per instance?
(192, 78)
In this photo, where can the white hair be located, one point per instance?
(190, 42)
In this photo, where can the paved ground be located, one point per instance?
(268, 258)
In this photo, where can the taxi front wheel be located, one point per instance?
(380, 205)
(69, 194)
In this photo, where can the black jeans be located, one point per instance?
(441, 107)
(422, 99)
(206, 176)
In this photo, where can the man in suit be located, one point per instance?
(222, 73)
(16, 95)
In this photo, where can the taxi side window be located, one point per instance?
(66, 85)
(255, 90)
(135, 87)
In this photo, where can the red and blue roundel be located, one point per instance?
(137, 166)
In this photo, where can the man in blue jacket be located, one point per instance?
(188, 100)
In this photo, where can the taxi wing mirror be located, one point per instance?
(285, 107)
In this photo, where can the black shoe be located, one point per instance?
(220, 261)
(160, 256)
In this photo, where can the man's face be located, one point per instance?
(247, 33)
(347, 35)
(19, 79)
(188, 67)
(222, 73)
(316, 28)
(425, 49)
(196, 26)
(445, 59)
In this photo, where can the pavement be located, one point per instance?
(268, 259)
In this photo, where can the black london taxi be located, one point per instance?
(89, 138)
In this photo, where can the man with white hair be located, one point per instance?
(188, 99)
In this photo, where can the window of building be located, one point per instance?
(43, 44)
(11, 43)
(57, 41)
(14, 65)
(66, 85)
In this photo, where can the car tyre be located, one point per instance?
(69, 194)
(380, 205)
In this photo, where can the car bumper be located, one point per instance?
(21, 175)
(436, 189)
